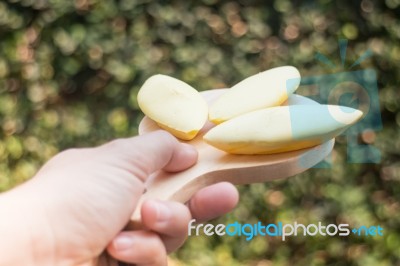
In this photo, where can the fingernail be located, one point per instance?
(123, 242)
(163, 212)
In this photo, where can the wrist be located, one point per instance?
(26, 237)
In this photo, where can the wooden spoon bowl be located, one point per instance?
(215, 166)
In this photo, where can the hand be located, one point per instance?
(82, 198)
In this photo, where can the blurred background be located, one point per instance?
(70, 72)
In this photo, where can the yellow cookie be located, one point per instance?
(265, 89)
(281, 129)
(174, 105)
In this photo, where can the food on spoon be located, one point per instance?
(282, 128)
(266, 89)
(174, 105)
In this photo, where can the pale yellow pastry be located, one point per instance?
(265, 89)
(281, 129)
(174, 105)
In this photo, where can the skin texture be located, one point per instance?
(79, 202)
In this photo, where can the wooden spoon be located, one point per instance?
(215, 166)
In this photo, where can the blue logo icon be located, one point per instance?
(354, 88)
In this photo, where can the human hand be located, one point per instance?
(83, 198)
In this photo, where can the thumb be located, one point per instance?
(145, 154)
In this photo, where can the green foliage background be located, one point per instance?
(70, 72)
